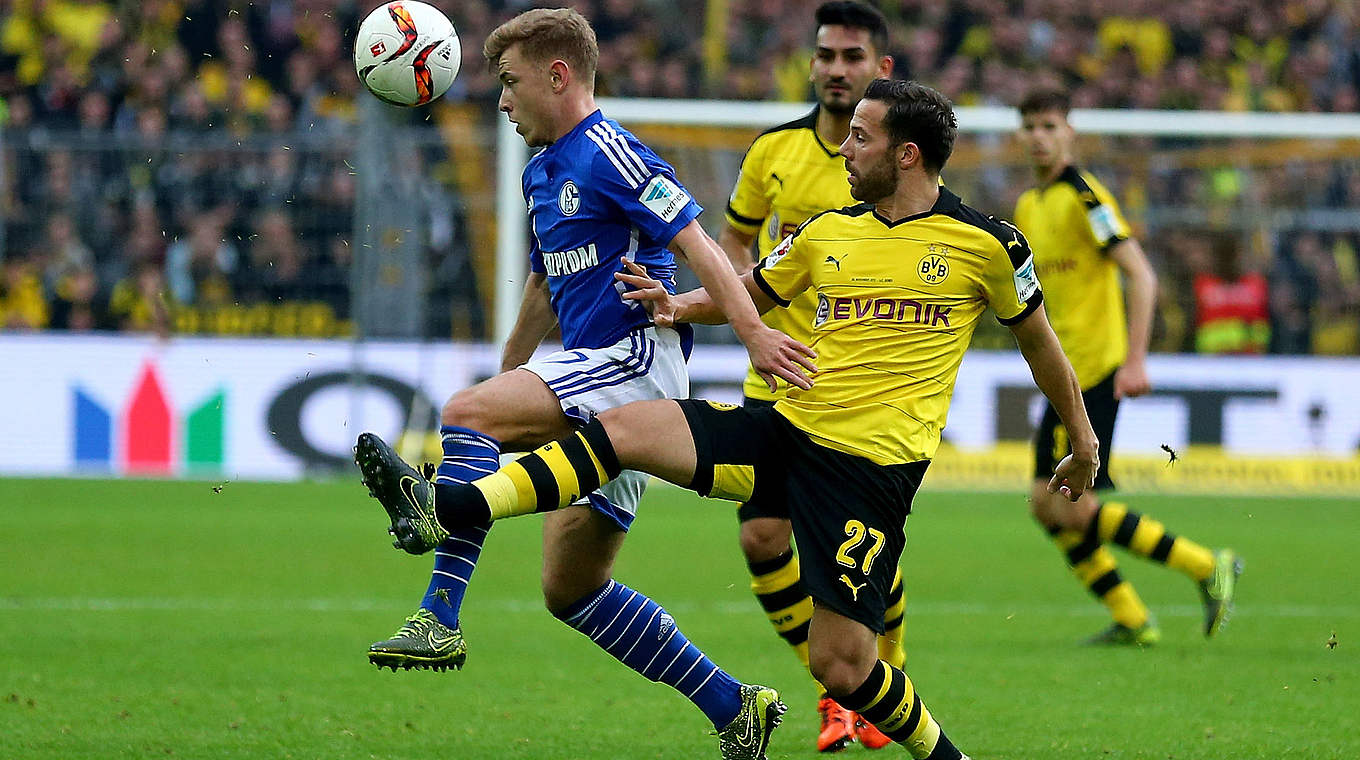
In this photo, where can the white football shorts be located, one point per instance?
(647, 364)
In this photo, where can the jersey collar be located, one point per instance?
(1066, 175)
(817, 136)
(946, 203)
(594, 118)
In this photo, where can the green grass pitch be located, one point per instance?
(156, 619)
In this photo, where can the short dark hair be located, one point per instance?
(1045, 99)
(856, 16)
(918, 114)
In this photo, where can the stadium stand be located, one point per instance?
(180, 165)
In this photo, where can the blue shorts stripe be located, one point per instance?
(583, 381)
(568, 379)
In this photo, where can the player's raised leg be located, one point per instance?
(1094, 566)
(1214, 572)
(649, 436)
(1083, 528)
(517, 407)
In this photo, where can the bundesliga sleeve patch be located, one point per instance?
(1025, 281)
(779, 252)
(664, 198)
(1103, 223)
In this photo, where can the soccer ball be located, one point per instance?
(407, 53)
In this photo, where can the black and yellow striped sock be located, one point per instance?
(891, 648)
(1097, 569)
(888, 700)
(778, 586)
(547, 478)
(1149, 538)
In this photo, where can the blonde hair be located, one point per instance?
(547, 34)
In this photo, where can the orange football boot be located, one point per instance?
(838, 726)
(869, 735)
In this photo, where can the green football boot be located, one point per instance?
(747, 736)
(1217, 590)
(1120, 635)
(404, 492)
(422, 643)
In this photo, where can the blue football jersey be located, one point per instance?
(595, 196)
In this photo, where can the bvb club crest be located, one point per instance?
(933, 267)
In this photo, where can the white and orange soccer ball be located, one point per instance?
(407, 53)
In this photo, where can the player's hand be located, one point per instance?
(1073, 476)
(776, 355)
(1131, 380)
(651, 292)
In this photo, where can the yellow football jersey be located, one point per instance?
(1071, 225)
(789, 174)
(897, 303)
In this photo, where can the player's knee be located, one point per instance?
(840, 669)
(560, 596)
(618, 425)
(763, 539)
(1040, 507)
(1055, 511)
(556, 602)
(462, 410)
(565, 588)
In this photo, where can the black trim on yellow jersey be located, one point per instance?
(946, 203)
(760, 279)
(806, 121)
(1030, 307)
(1071, 174)
(746, 220)
(1007, 234)
(765, 286)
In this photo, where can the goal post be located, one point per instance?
(1331, 135)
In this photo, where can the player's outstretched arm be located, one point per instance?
(691, 307)
(737, 245)
(535, 319)
(695, 306)
(1140, 285)
(773, 354)
(1055, 377)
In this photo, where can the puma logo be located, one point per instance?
(854, 590)
(836, 261)
(1012, 244)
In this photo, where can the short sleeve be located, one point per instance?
(642, 187)
(535, 252)
(536, 257)
(749, 204)
(1107, 223)
(1012, 289)
(784, 273)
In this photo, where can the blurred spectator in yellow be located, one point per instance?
(22, 305)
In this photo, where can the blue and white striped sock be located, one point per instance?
(641, 635)
(468, 455)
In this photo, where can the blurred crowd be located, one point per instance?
(180, 165)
